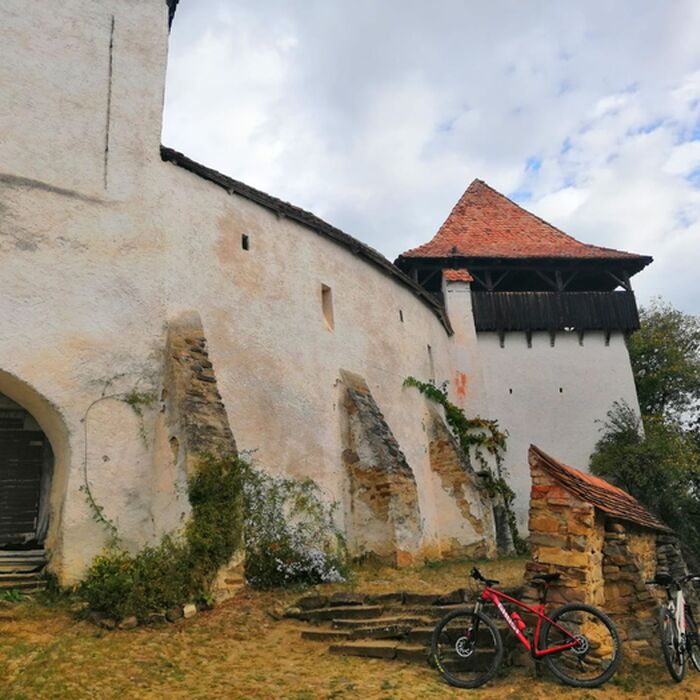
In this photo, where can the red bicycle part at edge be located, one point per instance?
(494, 596)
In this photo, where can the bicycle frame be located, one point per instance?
(676, 605)
(492, 595)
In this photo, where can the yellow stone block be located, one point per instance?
(561, 557)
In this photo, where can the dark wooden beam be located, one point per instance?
(500, 279)
(552, 283)
(623, 281)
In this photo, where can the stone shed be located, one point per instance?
(604, 543)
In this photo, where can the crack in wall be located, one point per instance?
(109, 100)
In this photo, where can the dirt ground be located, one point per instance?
(239, 651)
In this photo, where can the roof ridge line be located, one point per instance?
(310, 221)
(547, 223)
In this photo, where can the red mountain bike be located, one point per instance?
(579, 644)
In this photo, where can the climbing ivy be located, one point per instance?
(290, 538)
(478, 439)
(182, 566)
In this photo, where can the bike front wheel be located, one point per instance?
(693, 642)
(597, 654)
(671, 645)
(467, 648)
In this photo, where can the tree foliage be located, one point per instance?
(665, 355)
(657, 461)
(656, 457)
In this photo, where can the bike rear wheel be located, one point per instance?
(693, 642)
(595, 658)
(467, 648)
(671, 645)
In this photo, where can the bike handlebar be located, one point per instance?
(477, 575)
(667, 580)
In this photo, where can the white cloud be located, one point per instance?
(377, 116)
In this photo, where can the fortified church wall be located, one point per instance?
(105, 242)
(102, 244)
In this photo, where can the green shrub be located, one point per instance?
(290, 539)
(182, 566)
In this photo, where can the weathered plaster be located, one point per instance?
(556, 396)
(98, 254)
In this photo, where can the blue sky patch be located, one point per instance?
(520, 196)
(533, 164)
(694, 177)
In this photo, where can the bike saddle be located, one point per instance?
(662, 580)
(546, 578)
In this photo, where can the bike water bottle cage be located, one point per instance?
(476, 574)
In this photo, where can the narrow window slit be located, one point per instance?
(327, 306)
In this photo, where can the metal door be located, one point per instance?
(21, 462)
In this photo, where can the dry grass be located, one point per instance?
(238, 651)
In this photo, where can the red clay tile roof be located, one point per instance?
(457, 275)
(599, 492)
(485, 224)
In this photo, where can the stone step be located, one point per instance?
(18, 562)
(372, 649)
(420, 636)
(455, 597)
(349, 612)
(396, 598)
(21, 582)
(326, 635)
(398, 631)
(381, 621)
(412, 653)
(343, 599)
(22, 553)
(431, 611)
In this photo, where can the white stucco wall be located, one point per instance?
(92, 272)
(560, 396)
(101, 243)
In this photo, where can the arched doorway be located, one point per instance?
(26, 470)
(34, 464)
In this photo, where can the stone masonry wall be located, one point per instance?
(383, 516)
(629, 559)
(471, 531)
(196, 418)
(197, 415)
(603, 562)
(564, 538)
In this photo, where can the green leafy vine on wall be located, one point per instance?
(478, 439)
(137, 400)
(182, 566)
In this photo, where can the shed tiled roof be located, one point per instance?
(600, 493)
(457, 275)
(485, 224)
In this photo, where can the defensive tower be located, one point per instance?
(547, 315)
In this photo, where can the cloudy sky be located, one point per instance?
(377, 114)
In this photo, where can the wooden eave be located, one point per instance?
(311, 222)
